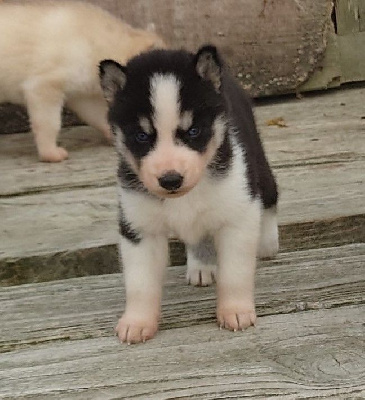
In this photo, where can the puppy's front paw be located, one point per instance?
(135, 330)
(56, 154)
(201, 275)
(236, 318)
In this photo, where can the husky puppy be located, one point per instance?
(191, 165)
(50, 53)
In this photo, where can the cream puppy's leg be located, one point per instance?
(143, 264)
(93, 111)
(236, 249)
(202, 263)
(44, 101)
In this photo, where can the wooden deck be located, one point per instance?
(58, 221)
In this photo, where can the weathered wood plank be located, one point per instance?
(320, 234)
(322, 128)
(86, 218)
(92, 164)
(348, 16)
(303, 355)
(362, 16)
(352, 60)
(342, 61)
(68, 310)
(103, 259)
(64, 221)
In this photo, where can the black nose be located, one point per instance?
(172, 180)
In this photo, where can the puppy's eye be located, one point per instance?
(142, 137)
(193, 132)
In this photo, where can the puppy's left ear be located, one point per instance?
(112, 78)
(209, 66)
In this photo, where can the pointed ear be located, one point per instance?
(208, 65)
(112, 78)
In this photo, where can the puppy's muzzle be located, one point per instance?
(171, 181)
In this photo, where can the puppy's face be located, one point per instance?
(167, 113)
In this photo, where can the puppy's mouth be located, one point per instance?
(172, 194)
(175, 193)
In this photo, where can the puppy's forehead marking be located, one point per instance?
(145, 125)
(186, 120)
(164, 97)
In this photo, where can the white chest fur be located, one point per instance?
(214, 202)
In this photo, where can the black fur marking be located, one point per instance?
(128, 179)
(199, 143)
(261, 180)
(126, 230)
(138, 149)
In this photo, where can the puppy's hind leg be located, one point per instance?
(202, 261)
(91, 109)
(44, 101)
(269, 235)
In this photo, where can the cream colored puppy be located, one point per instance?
(50, 53)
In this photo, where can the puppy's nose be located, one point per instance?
(171, 180)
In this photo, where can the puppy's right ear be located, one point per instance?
(209, 66)
(112, 78)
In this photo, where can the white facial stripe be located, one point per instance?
(145, 125)
(186, 120)
(164, 96)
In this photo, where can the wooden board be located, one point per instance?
(84, 218)
(321, 128)
(66, 310)
(343, 60)
(57, 341)
(316, 354)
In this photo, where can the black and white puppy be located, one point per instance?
(191, 165)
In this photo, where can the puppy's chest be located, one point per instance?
(189, 218)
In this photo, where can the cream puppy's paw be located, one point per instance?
(135, 330)
(200, 275)
(236, 318)
(56, 154)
